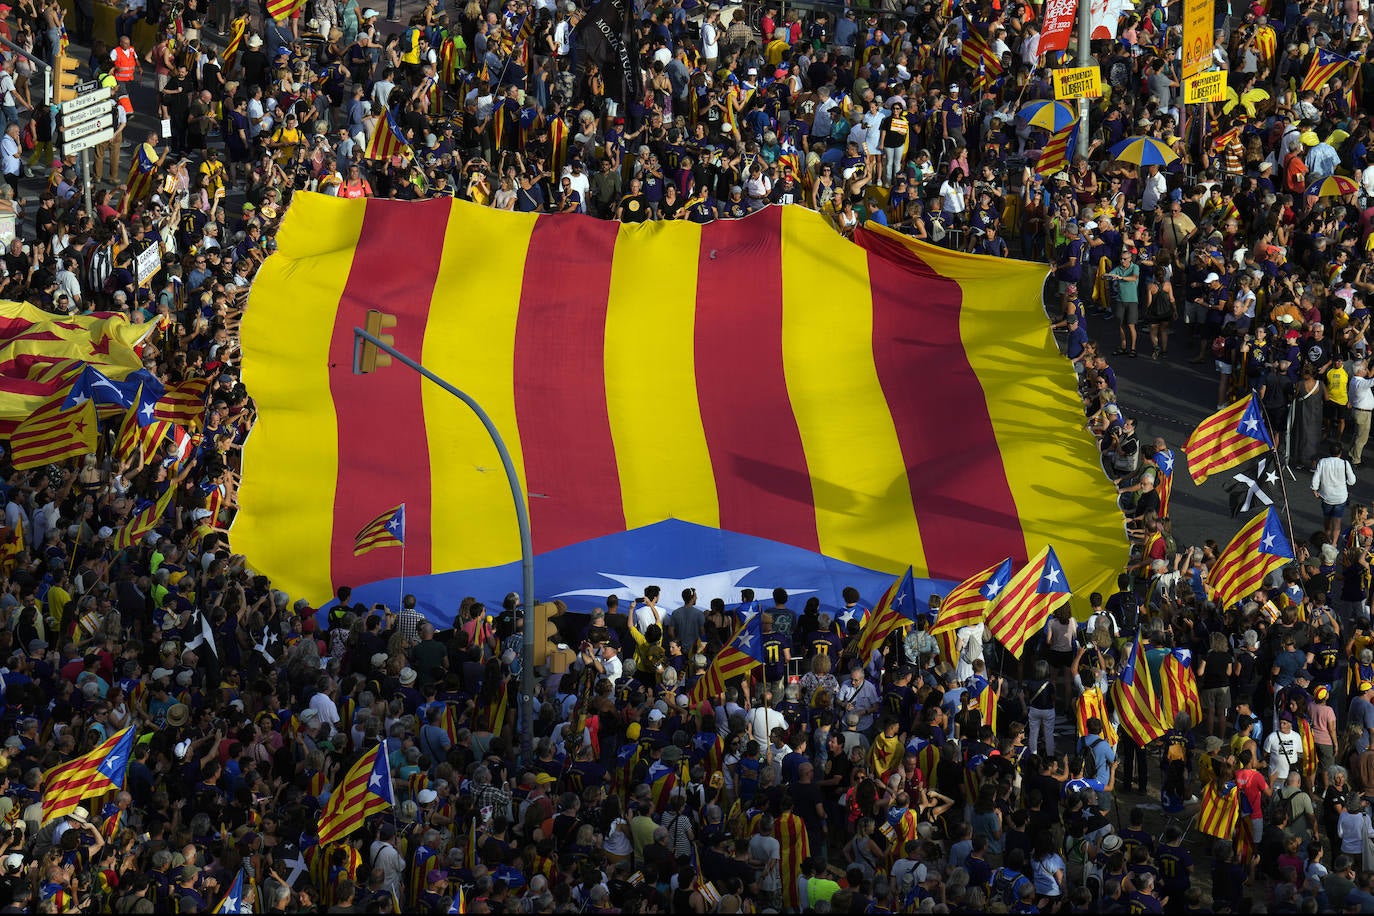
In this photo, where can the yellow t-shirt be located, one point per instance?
(1337, 385)
(290, 138)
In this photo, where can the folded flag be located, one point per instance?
(387, 140)
(144, 520)
(1219, 812)
(386, 530)
(1259, 548)
(1022, 608)
(1164, 479)
(1058, 151)
(1091, 705)
(986, 700)
(1231, 436)
(183, 403)
(1179, 688)
(1134, 694)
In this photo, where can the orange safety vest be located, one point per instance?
(125, 60)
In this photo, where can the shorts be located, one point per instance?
(1127, 312)
(1336, 413)
(1333, 510)
(1215, 698)
(1195, 313)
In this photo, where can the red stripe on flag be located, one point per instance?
(560, 386)
(383, 450)
(944, 428)
(762, 478)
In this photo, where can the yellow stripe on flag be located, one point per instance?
(474, 347)
(846, 428)
(287, 369)
(651, 376)
(1036, 414)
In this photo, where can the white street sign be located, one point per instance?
(74, 132)
(89, 141)
(91, 100)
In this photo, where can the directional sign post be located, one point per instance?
(86, 121)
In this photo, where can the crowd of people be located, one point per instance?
(823, 781)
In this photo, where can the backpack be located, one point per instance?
(1130, 613)
(937, 231)
(1006, 884)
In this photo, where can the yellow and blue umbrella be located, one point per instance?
(1143, 151)
(1333, 186)
(1052, 116)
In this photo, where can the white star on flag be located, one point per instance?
(375, 782)
(1251, 424)
(1052, 576)
(746, 640)
(1268, 541)
(993, 587)
(147, 410)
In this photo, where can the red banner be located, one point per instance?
(1058, 16)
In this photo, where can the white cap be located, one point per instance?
(1089, 225)
(1211, 278)
(105, 532)
(425, 796)
(14, 861)
(656, 715)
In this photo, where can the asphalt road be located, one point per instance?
(1168, 398)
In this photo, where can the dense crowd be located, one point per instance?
(824, 781)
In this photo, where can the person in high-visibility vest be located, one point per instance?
(124, 60)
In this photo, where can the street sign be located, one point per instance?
(91, 100)
(89, 141)
(73, 132)
(87, 86)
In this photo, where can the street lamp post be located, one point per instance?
(361, 340)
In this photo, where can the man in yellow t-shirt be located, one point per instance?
(1337, 399)
(285, 140)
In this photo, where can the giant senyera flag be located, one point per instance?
(747, 403)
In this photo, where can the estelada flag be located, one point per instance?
(967, 602)
(94, 773)
(143, 521)
(1259, 548)
(1135, 699)
(1219, 812)
(942, 433)
(1179, 689)
(1231, 436)
(363, 792)
(1021, 609)
(140, 181)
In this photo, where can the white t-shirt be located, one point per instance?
(710, 41)
(1283, 751)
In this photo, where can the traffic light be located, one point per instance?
(65, 78)
(370, 358)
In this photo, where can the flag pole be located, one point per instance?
(401, 598)
(1278, 465)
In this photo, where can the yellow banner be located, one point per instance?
(1205, 87)
(1197, 36)
(1078, 83)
